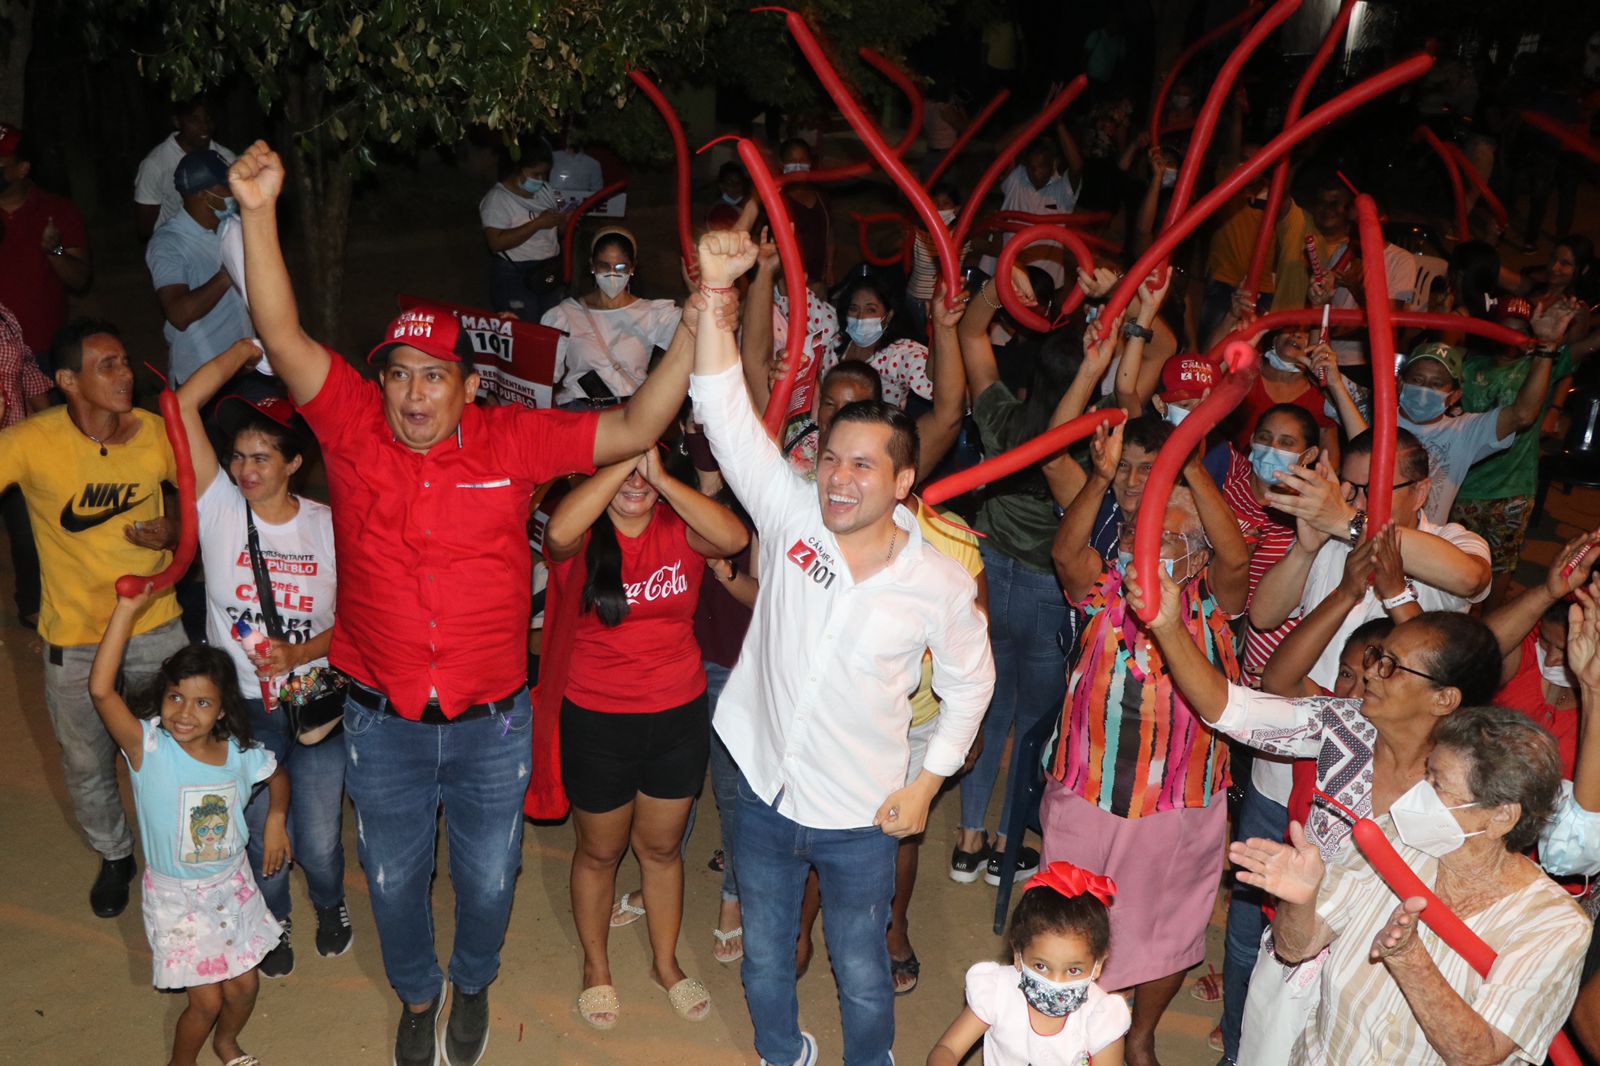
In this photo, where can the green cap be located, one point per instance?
(1447, 354)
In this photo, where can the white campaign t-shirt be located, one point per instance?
(615, 343)
(1400, 266)
(153, 184)
(300, 561)
(1327, 570)
(501, 208)
(1058, 197)
(1454, 444)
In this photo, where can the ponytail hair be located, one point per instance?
(602, 588)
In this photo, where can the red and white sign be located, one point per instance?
(516, 360)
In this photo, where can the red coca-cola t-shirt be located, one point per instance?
(1525, 693)
(651, 662)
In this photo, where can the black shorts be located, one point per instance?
(606, 759)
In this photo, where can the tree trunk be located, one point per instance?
(322, 169)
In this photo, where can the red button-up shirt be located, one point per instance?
(435, 570)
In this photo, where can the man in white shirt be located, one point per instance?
(1447, 567)
(1036, 187)
(155, 199)
(816, 713)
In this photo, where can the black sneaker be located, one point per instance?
(333, 930)
(417, 1042)
(109, 896)
(467, 1033)
(1027, 866)
(279, 962)
(966, 866)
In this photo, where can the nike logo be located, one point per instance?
(113, 499)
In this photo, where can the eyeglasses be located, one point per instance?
(1384, 665)
(1351, 488)
(619, 270)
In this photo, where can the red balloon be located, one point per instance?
(572, 224)
(1380, 333)
(1027, 316)
(1457, 190)
(860, 169)
(966, 136)
(1273, 321)
(1024, 455)
(680, 150)
(131, 585)
(1243, 363)
(1571, 138)
(1204, 41)
(1470, 172)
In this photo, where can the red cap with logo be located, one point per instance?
(431, 331)
(10, 139)
(233, 409)
(1187, 377)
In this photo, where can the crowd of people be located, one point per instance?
(784, 613)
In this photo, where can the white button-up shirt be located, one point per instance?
(817, 709)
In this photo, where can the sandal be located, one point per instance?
(719, 861)
(721, 951)
(1208, 989)
(243, 1060)
(598, 1000)
(902, 968)
(625, 913)
(687, 996)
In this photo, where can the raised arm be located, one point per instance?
(1079, 566)
(1230, 561)
(256, 179)
(1204, 688)
(714, 530)
(108, 702)
(939, 427)
(198, 391)
(1137, 376)
(1524, 411)
(636, 425)
(1325, 369)
(1513, 620)
(756, 338)
(580, 507)
(1583, 660)
(977, 351)
(1061, 472)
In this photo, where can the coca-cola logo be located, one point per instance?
(667, 581)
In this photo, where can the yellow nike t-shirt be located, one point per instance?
(79, 503)
(961, 546)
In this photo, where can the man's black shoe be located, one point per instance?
(333, 930)
(109, 896)
(467, 1033)
(279, 962)
(417, 1042)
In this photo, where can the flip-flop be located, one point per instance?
(899, 968)
(686, 996)
(243, 1060)
(722, 945)
(600, 999)
(625, 913)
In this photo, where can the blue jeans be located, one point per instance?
(1026, 611)
(724, 783)
(855, 868)
(316, 812)
(399, 773)
(1258, 817)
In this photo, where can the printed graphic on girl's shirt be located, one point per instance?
(210, 818)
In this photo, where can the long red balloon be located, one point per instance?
(1027, 316)
(966, 136)
(1206, 125)
(571, 227)
(1470, 172)
(867, 130)
(1202, 42)
(1246, 172)
(1280, 174)
(1023, 455)
(1431, 320)
(864, 224)
(131, 585)
(1243, 364)
(1571, 138)
(1457, 189)
(680, 150)
(862, 168)
(1073, 218)
(1008, 155)
(1380, 352)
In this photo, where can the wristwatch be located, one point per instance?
(59, 249)
(1358, 526)
(1134, 331)
(1406, 595)
(1545, 353)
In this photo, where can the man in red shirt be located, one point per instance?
(430, 498)
(43, 248)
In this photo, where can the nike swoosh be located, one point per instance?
(73, 522)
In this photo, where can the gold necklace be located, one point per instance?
(893, 539)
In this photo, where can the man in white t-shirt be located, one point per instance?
(1447, 567)
(1036, 187)
(155, 199)
(1332, 214)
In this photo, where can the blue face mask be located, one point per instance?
(1266, 461)
(1420, 403)
(1176, 414)
(1125, 560)
(1277, 362)
(532, 186)
(229, 209)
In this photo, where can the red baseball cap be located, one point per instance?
(10, 139)
(431, 331)
(233, 409)
(1187, 377)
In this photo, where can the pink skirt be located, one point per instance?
(1167, 866)
(204, 931)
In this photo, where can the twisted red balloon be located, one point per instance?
(131, 585)
(966, 136)
(1022, 456)
(1457, 190)
(680, 151)
(571, 227)
(811, 48)
(1470, 172)
(1070, 881)
(1205, 40)
(1206, 125)
(1380, 348)
(1570, 137)
(1169, 237)
(1243, 364)
(1351, 316)
(1025, 315)
(1280, 174)
(864, 224)
(860, 169)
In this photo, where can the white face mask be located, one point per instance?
(732, 201)
(1425, 823)
(611, 284)
(864, 331)
(1176, 414)
(1556, 675)
(796, 168)
(948, 216)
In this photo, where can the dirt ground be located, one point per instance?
(78, 988)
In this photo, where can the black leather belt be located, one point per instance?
(432, 713)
